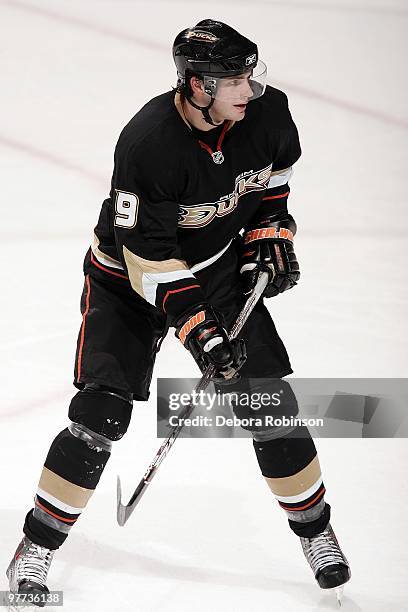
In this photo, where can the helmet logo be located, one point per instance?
(200, 35)
(250, 59)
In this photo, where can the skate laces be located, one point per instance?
(323, 550)
(34, 563)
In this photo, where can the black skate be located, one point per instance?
(28, 569)
(325, 557)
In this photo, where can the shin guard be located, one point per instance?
(291, 468)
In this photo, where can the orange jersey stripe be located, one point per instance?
(178, 291)
(282, 195)
(98, 265)
(81, 345)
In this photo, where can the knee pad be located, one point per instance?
(264, 405)
(285, 456)
(101, 413)
(78, 463)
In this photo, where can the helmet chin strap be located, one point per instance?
(204, 109)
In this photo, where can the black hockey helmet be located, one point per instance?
(212, 47)
(212, 50)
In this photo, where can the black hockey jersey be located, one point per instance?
(173, 210)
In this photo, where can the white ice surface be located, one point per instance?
(208, 535)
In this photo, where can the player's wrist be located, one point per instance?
(177, 302)
(268, 246)
(281, 226)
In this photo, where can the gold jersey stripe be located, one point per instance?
(102, 257)
(137, 267)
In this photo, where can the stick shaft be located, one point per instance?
(125, 510)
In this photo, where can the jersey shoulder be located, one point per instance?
(273, 106)
(272, 116)
(153, 126)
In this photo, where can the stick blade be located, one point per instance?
(120, 509)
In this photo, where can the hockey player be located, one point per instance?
(193, 168)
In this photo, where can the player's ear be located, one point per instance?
(197, 85)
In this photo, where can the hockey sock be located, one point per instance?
(70, 475)
(291, 468)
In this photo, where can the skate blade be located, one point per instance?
(339, 594)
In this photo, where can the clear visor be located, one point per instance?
(238, 89)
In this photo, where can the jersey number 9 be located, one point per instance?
(126, 207)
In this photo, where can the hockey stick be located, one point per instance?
(125, 510)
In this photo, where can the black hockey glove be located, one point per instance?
(202, 332)
(268, 247)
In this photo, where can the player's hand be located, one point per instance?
(268, 247)
(202, 332)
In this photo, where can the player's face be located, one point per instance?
(232, 97)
